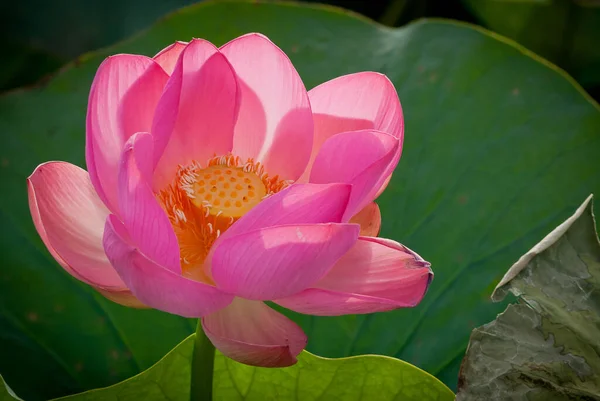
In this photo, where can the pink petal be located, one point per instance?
(122, 101)
(364, 159)
(376, 275)
(69, 217)
(365, 100)
(156, 286)
(125, 298)
(196, 114)
(369, 219)
(252, 333)
(167, 57)
(298, 204)
(275, 124)
(279, 261)
(145, 220)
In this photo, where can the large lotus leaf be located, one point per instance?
(564, 31)
(357, 378)
(490, 131)
(546, 347)
(24, 65)
(65, 28)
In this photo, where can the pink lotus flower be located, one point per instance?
(216, 182)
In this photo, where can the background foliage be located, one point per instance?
(39, 36)
(500, 147)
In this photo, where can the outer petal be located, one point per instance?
(125, 298)
(365, 100)
(298, 204)
(252, 333)
(279, 261)
(167, 57)
(375, 275)
(122, 101)
(156, 286)
(364, 159)
(146, 222)
(69, 217)
(196, 114)
(369, 219)
(275, 123)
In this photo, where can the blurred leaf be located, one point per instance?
(312, 378)
(21, 65)
(547, 346)
(490, 131)
(6, 393)
(566, 32)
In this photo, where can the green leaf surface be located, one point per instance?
(564, 31)
(366, 377)
(546, 347)
(490, 131)
(312, 378)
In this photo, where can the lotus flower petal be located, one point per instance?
(279, 261)
(369, 219)
(374, 156)
(125, 298)
(146, 222)
(154, 285)
(167, 57)
(196, 114)
(122, 101)
(252, 333)
(376, 275)
(298, 204)
(70, 217)
(275, 124)
(365, 100)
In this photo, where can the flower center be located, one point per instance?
(226, 191)
(204, 201)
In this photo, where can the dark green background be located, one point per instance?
(38, 36)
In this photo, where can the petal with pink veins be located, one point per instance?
(122, 101)
(298, 204)
(252, 333)
(275, 125)
(365, 100)
(369, 219)
(364, 159)
(167, 57)
(154, 285)
(376, 275)
(147, 223)
(278, 261)
(69, 217)
(196, 114)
